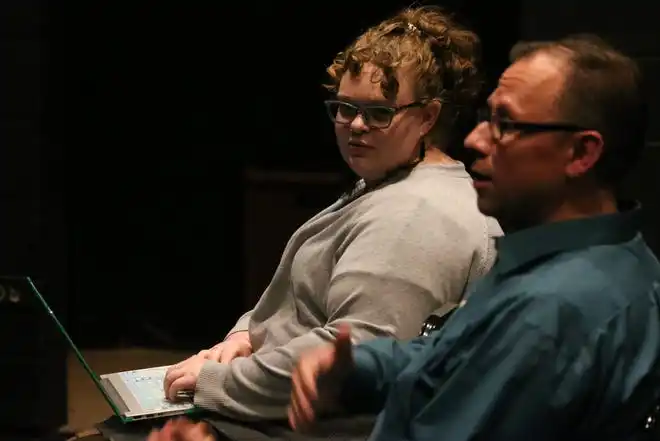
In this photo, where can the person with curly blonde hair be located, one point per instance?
(405, 241)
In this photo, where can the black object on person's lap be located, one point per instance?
(354, 428)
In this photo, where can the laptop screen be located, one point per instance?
(26, 284)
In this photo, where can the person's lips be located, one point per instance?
(358, 148)
(358, 144)
(481, 179)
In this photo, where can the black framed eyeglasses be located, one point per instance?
(499, 125)
(375, 116)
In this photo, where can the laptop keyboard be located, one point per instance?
(147, 387)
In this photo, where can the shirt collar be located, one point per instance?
(523, 247)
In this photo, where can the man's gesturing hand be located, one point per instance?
(318, 377)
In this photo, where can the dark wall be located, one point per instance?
(22, 170)
(632, 28)
(32, 234)
(146, 96)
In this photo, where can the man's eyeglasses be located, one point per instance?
(375, 117)
(501, 125)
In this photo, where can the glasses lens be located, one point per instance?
(342, 113)
(379, 117)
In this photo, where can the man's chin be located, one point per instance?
(487, 204)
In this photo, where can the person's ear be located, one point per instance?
(586, 150)
(430, 114)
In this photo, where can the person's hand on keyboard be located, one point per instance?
(182, 377)
(182, 430)
(236, 345)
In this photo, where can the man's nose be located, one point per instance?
(479, 139)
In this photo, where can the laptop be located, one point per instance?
(132, 395)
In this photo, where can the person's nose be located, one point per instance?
(359, 124)
(480, 139)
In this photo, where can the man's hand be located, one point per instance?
(236, 345)
(318, 377)
(183, 376)
(182, 430)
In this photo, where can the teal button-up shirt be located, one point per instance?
(561, 340)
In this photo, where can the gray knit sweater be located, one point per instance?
(381, 263)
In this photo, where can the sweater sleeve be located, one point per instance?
(400, 262)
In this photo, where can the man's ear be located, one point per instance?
(587, 149)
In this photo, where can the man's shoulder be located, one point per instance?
(591, 286)
(616, 269)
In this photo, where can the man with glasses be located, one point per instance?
(561, 340)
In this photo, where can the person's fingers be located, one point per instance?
(216, 353)
(233, 350)
(306, 386)
(186, 430)
(181, 363)
(163, 434)
(299, 395)
(178, 427)
(344, 346)
(181, 430)
(296, 396)
(203, 432)
(298, 418)
(245, 351)
(204, 353)
(213, 353)
(228, 354)
(170, 377)
(293, 415)
(196, 432)
(305, 393)
(168, 433)
(308, 375)
(184, 382)
(208, 431)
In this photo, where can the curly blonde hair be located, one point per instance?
(440, 54)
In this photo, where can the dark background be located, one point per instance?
(155, 157)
